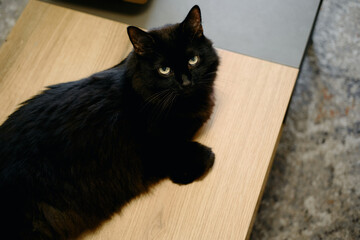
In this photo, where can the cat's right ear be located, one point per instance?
(192, 23)
(142, 41)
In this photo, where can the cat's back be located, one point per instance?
(49, 121)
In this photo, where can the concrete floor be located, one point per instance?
(313, 190)
(10, 10)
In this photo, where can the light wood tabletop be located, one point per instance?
(51, 44)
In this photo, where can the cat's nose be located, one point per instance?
(185, 80)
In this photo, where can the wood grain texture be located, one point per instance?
(50, 44)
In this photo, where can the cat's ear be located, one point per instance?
(142, 41)
(192, 23)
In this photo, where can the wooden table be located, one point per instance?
(51, 44)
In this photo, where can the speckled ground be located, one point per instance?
(313, 190)
(10, 10)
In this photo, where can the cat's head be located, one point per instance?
(175, 58)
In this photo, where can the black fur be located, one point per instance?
(75, 154)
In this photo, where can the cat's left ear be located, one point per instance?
(192, 23)
(142, 41)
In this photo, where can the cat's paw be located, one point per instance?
(193, 163)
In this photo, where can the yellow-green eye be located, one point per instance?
(193, 61)
(164, 71)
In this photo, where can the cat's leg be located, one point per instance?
(189, 161)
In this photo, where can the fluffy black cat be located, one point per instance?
(75, 154)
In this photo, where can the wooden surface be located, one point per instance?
(50, 44)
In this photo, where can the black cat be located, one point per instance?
(75, 154)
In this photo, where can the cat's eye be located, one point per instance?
(193, 61)
(164, 71)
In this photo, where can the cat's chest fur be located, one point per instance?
(183, 120)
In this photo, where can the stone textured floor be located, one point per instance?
(313, 190)
(10, 10)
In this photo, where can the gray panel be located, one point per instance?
(273, 30)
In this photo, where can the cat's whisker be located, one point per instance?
(157, 107)
(153, 98)
(205, 83)
(164, 105)
(174, 95)
(206, 77)
(213, 72)
(155, 95)
(210, 74)
(165, 102)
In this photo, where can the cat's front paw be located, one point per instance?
(193, 163)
